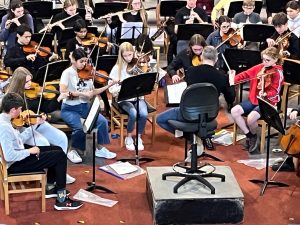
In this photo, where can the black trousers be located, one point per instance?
(52, 158)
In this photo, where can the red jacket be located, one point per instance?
(273, 90)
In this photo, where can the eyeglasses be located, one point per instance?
(248, 7)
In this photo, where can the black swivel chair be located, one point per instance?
(200, 115)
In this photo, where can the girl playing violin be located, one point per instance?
(271, 71)
(185, 58)
(77, 107)
(218, 38)
(14, 18)
(119, 72)
(43, 134)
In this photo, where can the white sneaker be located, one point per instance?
(74, 157)
(140, 144)
(69, 179)
(200, 150)
(129, 144)
(105, 153)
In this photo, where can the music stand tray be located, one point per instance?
(170, 7)
(186, 31)
(103, 8)
(135, 87)
(37, 9)
(270, 115)
(106, 62)
(291, 71)
(55, 70)
(257, 32)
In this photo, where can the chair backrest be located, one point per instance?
(3, 166)
(199, 99)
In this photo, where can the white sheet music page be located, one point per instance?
(123, 167)
(175, 91)
(128, 28)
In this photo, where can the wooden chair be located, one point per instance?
(119, 117)
(262, 123)
(10, 180)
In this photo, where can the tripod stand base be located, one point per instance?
(92, 186)
(137, 160)
(266, 183)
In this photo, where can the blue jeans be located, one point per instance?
(72, 115)
(171, 114)
(130, 108)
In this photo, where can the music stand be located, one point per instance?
(236, 7)
(275, 6)
(37, 9)
(106, 62)
(257, 32)
(88, 126)
(134, 87)
(186, 31)
(55, 70)
(169, 8)
(291, 71)
(130, 31)
(270, 115)
(103, 8)
(81, 12)
(64, 36)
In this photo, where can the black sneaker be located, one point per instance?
(52, 193)
(253, 143)
(68, 204)
(208, 144)
(287, 166)
(246, 145)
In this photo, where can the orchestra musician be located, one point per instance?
(219, 36)
(76, 90)
(137, 14)
(293, 14)
(265, 80)
(16, 56)
(15, 17)
(185, 58)
(120, 72)
(36, 158)
(284, 38)
(200, 74)
(44, 134)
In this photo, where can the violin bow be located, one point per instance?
(43, 87)
(29, 123)
(226, 63)
(39, 45)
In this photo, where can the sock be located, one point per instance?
(50, 186)
(250, 135)
(61, 195)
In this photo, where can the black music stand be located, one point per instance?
(55, 70)
(257, 32)
(186, 31)
(47, 41)
(236, 7)
(270, 115)
(106, 62)
(291, 71)
(88, 126)
(103, 8)
(130, 31)
(37, 9)
(169, 8)
(65, 35)
(275, 6)
(135, 87)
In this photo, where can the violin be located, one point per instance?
(232, 37)
(32, 49)
(91, 39)
(291, 141)
(4, 75)
(139, 65)
(27, 117)
(196, 60)
(265, 77)
(88, 73)
(35, 90)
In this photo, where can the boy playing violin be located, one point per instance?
(16, 56)
(286, 40)
(271, 71)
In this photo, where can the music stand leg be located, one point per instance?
(92, 185)
(137, 159)
(266, 181)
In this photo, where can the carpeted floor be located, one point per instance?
(278, 206)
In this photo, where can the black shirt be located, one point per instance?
(208, 74)
(182, 60)
(183, 15)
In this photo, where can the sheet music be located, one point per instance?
(174, 92)
(94, 111)
(128, 28)
(123, 167)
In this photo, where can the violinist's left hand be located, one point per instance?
(113, 82)
(286, 53)
(293, 115)
(41, 120)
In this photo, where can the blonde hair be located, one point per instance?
(249, 3)
(274, 54)
(69, 3)
(18, 81)
(143, 14)
(125, 46)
